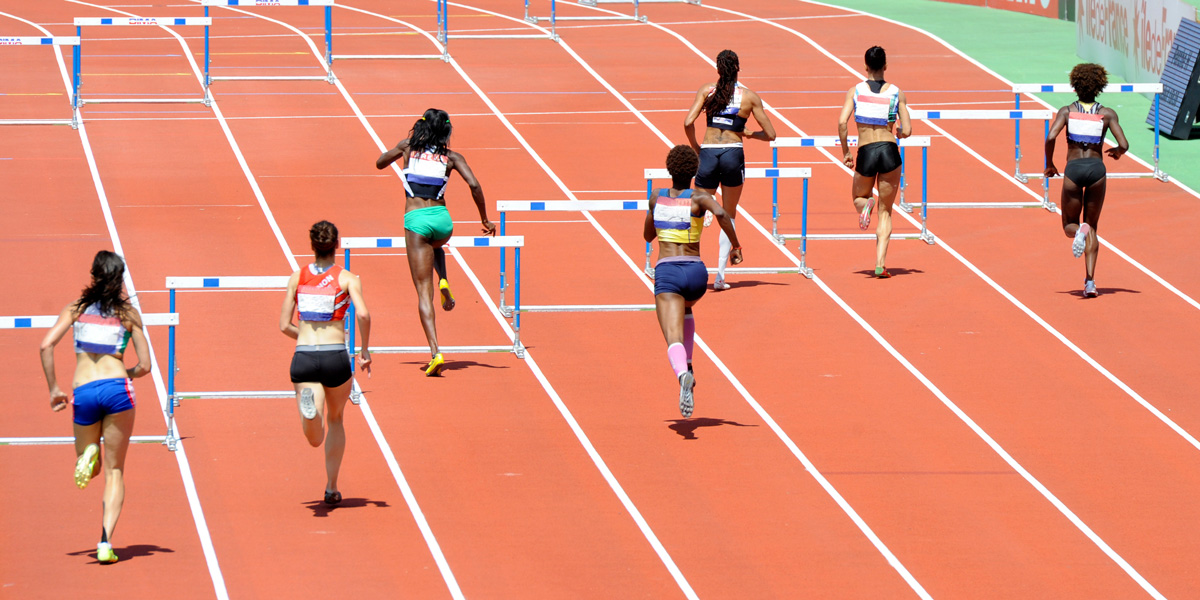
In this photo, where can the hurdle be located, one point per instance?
(596, 2)
(1112, 88)
(77, 79)
(554, 15)
(506, 206)
(46, 41)
(444, 18)
(515, 242)
(441, 38)
(328, 77)
(170, 319)
(831, 141)
(1015, 115)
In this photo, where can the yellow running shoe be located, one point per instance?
(85, 465)
(435, 365)
(447, 296)
(105, 554)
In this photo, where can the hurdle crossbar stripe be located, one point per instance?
(751, 173)
(266, 2)
(37, 122)
(1066, 88)
(757, 270)
(852, 236)
(382, 56)
(442, 349)
(829, 141)
(240, 282)
(63, 440)
(45, 321)
(1037, 115)
(570, 205)
(83, 101)
(268, 78)
(163, 21)
(39, 41)
(505, 241)
(230, 395)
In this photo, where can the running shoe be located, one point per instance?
(86, 465)
(882, 273)
(308, 404)
(1080, 240)
(864, 218)
(434, 368)
(686, 402)
(105, 554)
(447, 296)
(719, 284)
(332, 498)
(1089, 289)
(708, 218)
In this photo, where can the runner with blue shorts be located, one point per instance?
(427, 161)
(676, 218)
(103, 322)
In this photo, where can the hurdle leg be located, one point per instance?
(649, 192)
(504, 310)
(329, 44)
(517, 347)
(1017, 143)
(171, 437)
(1046, 203)
(804, 270)
(1159, 175)
(925, 235)
(904, 206)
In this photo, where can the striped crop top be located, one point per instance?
(1085, 125)
(318, 295)
(727, 118)
(426, 174)
(100, 334)
(674, 220)
(875, 108)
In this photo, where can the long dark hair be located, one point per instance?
(108, 274)
(431, 132)
(727, 71)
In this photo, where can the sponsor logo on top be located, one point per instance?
(143, 21)
(11, 42)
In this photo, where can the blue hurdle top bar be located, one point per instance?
(193, 283)
(752, 173)
(47, 321)
(570, 205)
(501, 241)
(80, 21)
(1112, 88)
(830, 141)
(39, 41)
(1040, 115)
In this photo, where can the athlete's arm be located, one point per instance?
(133, 322)
(648, 231)
(1115, 127)
(902, 113)
(1060, 121)
(66, 318)
(458, 163)
(392, 155)
(844, 127)
(286, 325)
(353, 286)
(703, 199)
(689, 122)
(756, 108)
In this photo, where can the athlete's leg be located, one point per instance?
(730, 196)
(863, 198)
(314, 430)
(86, 435)
(420, 264)
(670, 309)
(335, 442)
(1093, 203)
(117, 429)
(1072, 206)
(889, 184)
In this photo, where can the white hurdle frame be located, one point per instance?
(441, 38)
(271, 282)
(170, 319)
(47, 41)
(553, 18)
(988, 115)
(774, 173)
(445, 36)
(328, 77)
(1112, 88)
(80, 22)
(506, 206)
(511, 241)
(829, 141)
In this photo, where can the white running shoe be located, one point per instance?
(308, 406)
(686, 402)
(1089, 289)
(719, 284)
(1080, 240)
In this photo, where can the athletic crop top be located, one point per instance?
(875, 107)
(318, 295)
(1085, 125)
(727, 118)
(426, 174)
(100, 334)
(674, 220)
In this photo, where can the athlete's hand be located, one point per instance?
(1116, 152)
(1051, 171)
(735, 257)
(364, 361)
(58, 399)
(489, 228)
(848, 160)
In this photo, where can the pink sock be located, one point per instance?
(689, 335)
(678, 357)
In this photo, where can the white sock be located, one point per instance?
(725, 248)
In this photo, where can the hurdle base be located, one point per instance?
(507, 311)
(515, 348)
(255, 394)
(757, 270)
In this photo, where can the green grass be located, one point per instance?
(1031, 49)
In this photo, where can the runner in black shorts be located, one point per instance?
(1085, 179)
(676, 218)
(727, 106)
(321, 369)
(876, 106)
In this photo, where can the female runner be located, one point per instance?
(427, 161)
(876, 105)
(676, 218)
(104, 321)
(322, 371)
(1085, 179)
(722, 162)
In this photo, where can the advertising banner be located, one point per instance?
(1131, 38)
(1045, 8)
